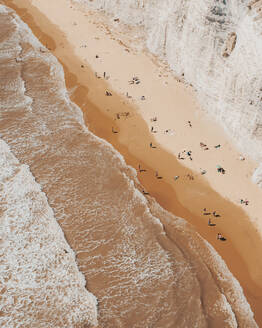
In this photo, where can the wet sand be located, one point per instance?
(184, 197)
(146, 266)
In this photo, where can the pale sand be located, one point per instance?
(173, 104)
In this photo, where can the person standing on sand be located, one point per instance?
(210, 223)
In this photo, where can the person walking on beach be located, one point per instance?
(206, 213)
(141, 170)
(215, 214)
(190, 176)
(211, 224)
(179, 156)
(203, 146)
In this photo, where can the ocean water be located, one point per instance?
(145, 267)
(41, 285)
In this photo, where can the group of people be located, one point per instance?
(181, 156)
(211, 224)
(185, 153)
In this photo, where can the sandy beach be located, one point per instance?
(86, 48)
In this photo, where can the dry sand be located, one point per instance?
(66, 31)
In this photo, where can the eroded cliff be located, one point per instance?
(145, 266)
(213, 45)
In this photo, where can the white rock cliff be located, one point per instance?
(215, 46)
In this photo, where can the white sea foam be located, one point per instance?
(141, 262)
(40, 282)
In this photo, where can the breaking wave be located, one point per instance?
(146, 267)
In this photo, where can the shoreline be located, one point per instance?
(100, 123)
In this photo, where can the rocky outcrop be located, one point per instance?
(257, 176)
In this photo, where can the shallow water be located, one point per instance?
(143, 274)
